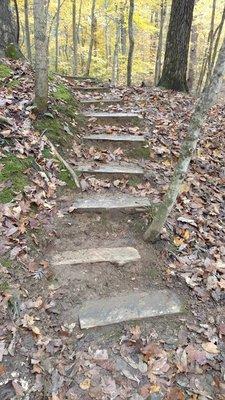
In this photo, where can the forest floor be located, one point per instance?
(43, 352)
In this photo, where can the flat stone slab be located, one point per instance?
(102, 101)
(116, 255)
(113, 115)
(106, 203)
(112, 168)
(128, 307)
(116, 138)
(102, 89)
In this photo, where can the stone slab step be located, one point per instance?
(102, 102)
(114, 116)
(128, 307)
(110, 169)
(102, 202)
(116, 255)
(116, 138)
(100, 89)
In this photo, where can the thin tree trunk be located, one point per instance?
(57, 36)
(123, 34)
(211, 40)
(27, 30)
(217, 40)
(106, 33)
(131, 43)
(40, 9)
(177, 46)
(193, 58)
(158, 64)
(79, 21)
(188, 148)
(116, 54)
(75, 41)
(17, 21)
(92, 39)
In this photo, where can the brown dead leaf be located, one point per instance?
(175, 394)
(210, 347)
(85, 385)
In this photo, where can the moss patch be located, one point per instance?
(13, 52)
(54, 130)
(13, 172)
(62, 93)
(66, 177)
(5, 72)
(140, 152)
(6, 263)
(14, 83)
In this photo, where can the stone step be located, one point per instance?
(100, 202)
(116, 255)
(110, 169)
(128, 307)
(115, 117)
(116, 138)
(136, 147)
(102, 102)
(99, 89)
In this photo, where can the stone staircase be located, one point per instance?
(125, 306)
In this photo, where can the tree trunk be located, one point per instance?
(123, 36)
(193, 58)
(211, 40)
(27, 30)
(177, 46)
(106, 34)
(131, 43)
(158, 64)
(57, 36)
(8, 29)
(92, 40)
(217, 39)
(40, 9)
(17, 21)
(116, 54)
(188, 148)
(75, 41)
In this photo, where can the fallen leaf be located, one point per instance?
(210, 347)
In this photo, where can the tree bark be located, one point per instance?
(177, 46)
(131, 43)
(8, 29)
(57, 36)
(158, 64)
(27, 30)
(211, 40)
(40, 10)
(188, 148)
(116, 53)
(92, 40)
(193, 58)
(75, 39)
(217, 39)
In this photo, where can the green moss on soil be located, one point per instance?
(54, 130)
(134, 181)
(62, 93)
(14, 83)
(13, 52)
(140, 152)
(6, 263)
(66, 177)
(5, 72)
(13, 172)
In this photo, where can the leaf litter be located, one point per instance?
(141, 365)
